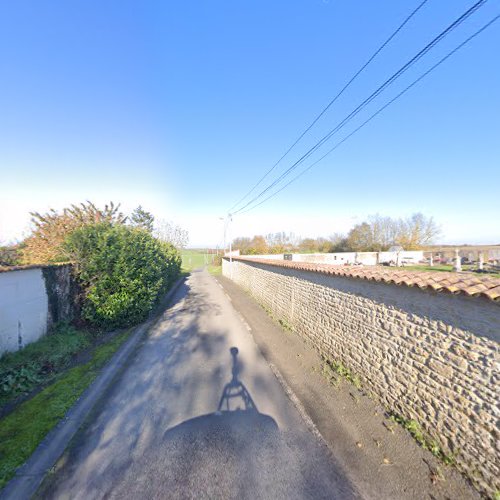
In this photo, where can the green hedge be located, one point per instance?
(124, 271)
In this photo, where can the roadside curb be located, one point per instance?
(29, 476)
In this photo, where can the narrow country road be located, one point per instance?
(198, 413)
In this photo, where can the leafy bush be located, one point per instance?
(10, 255)
(123, 270)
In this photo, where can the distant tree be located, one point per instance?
(45, 244)
(171, 233)
(323, 245)
(279, 242)
(384, 231)
(142, 219)
(242, 244)
(360, 238)
(308, 245)
(380, 233)
(258, 245)
(417, 231)
(338, 243)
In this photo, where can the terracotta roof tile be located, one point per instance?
(456, 283)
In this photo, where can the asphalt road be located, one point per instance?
(198, 413)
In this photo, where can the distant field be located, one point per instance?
(194, 259)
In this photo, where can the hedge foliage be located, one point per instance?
(124, 271)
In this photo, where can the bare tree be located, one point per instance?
(417, 231)
(171, 233)
(380, 233)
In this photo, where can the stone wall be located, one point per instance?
(428, 356)
(32, 300)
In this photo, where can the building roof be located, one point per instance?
(439, 281)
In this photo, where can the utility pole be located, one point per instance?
(230, 219)
(225, 228)
(227, 232)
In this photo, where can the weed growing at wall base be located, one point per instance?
(341, 371)
(414, 428)
(38, 363)
(22, 430)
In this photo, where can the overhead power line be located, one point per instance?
(380, 110)
(327, 107)
(370, 98)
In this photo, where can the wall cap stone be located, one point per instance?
(439, 281)
(6, 269)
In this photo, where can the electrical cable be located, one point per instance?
(421, 77)
(369, 99)
(327, 107)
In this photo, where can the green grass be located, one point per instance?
(446, 268)
(192, 259)
(440, 267)
(215, 270)
(39, 362)
(22, 430)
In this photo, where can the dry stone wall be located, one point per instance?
(428, 356)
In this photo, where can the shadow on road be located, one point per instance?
(237, 422)
(127, 450)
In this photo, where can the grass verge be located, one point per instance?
(38, 363)
(22, 430)
(215, 270)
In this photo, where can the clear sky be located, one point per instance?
(181, 106)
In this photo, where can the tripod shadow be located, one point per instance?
(236, 421)
(235, 391)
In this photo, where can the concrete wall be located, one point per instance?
(343, 258)
(31, 300)
(428, 356)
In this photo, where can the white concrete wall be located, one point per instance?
(270, 256)
(343, 258)
(23, 308)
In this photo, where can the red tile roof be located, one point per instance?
(456, 283)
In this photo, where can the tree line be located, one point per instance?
(378, 233)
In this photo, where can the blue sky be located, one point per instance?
(182, 106)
